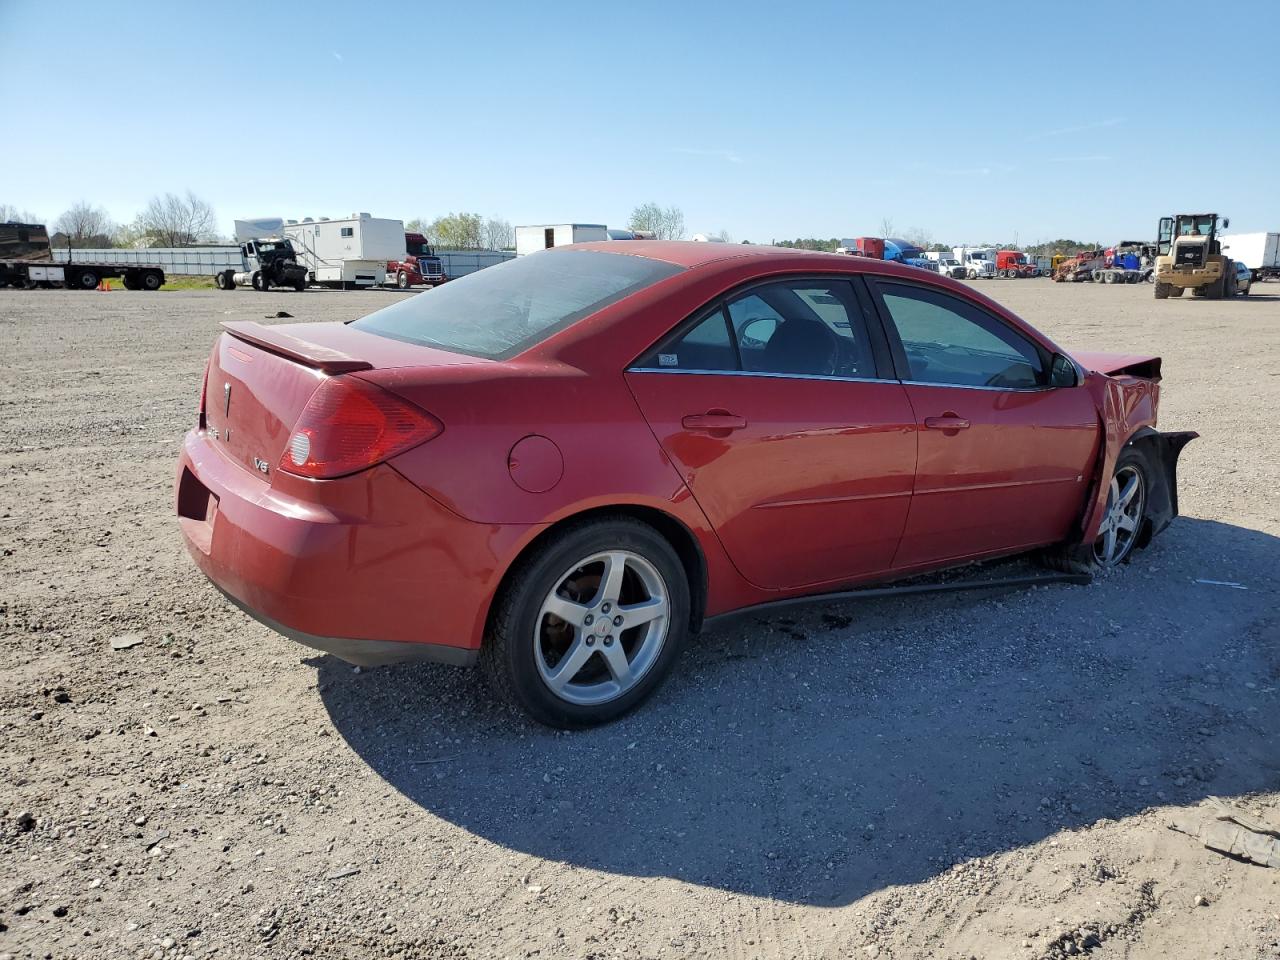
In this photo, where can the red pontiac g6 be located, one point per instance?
(564, 464)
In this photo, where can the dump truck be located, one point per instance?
(1189, 257)
(27, 261)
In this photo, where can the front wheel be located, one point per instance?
(402, 280)
(1122, 521)
(589, 625)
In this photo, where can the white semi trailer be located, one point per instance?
(543, 236)
(1260, 252)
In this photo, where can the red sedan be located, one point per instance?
(564, 464)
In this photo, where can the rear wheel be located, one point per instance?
(152, 280)
(402, 280)
(1162, 291)
(85, 280)
(587, 628)
(1122, 520)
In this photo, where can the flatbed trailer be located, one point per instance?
(27, 261)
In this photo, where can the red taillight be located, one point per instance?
(349, 425)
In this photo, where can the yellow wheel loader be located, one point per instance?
(1189, 257)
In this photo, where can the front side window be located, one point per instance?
(949, 341)
(503, 310)
(797, 327)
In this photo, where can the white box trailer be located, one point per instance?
(535, 237)
(346, 252)
(1260, 252)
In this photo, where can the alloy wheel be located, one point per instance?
(1126, 500)
(602, 627)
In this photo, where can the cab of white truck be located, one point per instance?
(978, 262)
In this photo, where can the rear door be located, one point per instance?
(776, 405)
(1004, 459)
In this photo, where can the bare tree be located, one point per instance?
(11, 214)
(498, 234)
(921, 237)
(174, 221)
(723, 236)
(886, 227)
(85, 225)
(665, 224)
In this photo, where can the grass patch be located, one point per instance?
(172, 283)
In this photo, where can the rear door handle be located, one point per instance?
(948, 421)
(713, 420)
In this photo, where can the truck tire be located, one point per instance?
(85, 280)
(151, 280)
(1228, 279)
(402, 280)
(217, 281)
(299, 285)
(1162, 291)
(131, 281)
(259, 283)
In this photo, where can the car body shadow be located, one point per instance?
(822, 755)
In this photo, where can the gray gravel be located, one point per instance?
(985, 775)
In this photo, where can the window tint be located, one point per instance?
(949, 341)
(801, 327)
(502, 310)
(704, 346)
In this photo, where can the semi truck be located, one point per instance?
(979, 262)
(419, 264)
(27, 261)
(1014, 264)
(1260, 252)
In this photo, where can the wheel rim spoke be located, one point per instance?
(615, 567)
(1126, 523)
(565, 609)
(636, 614)
(615, 657)
(570, 664)
(1128, 493)
(1109, 543)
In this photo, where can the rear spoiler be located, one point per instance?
(279, 341)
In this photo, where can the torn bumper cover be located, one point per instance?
(1162, 451)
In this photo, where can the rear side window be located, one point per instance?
(788, 327)
(503, 310)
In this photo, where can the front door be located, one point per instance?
(770, 403)
(1004, 459)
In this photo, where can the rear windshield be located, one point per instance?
(501, 311)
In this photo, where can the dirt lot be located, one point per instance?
(973, 775)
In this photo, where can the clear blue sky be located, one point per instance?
(975, 122)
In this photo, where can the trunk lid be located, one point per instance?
(260, 379)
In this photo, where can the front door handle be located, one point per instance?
(948, 421)
(713, 420)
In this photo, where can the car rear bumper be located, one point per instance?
(368, 567)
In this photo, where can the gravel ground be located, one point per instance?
(969, 775)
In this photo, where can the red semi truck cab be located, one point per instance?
(1013, 263)
(420, 264)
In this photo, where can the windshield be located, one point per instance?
(421, 250)
(503, 310)
(1195, 226)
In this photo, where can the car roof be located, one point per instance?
(692, 253)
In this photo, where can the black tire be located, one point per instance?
(300, 285)
(1084, 557)
(131, 282)
(217, 281)
(402, 280)
(85, 280)
(259, 282)
(151, 280)
(508, 655)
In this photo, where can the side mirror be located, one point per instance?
(1226, 222)
(1062, 372)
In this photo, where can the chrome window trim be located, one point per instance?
(818, 376)
(760, 373)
